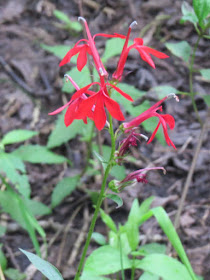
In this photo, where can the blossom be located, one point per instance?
(144, 51)
(73, 107)
(164, 120)
(89, 47)
(97, 101)
(132, 178)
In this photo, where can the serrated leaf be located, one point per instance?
(99, 238)
(181, 49)
(38, 154)
(205, 73)
(108, 221)
(14, 169)
(64, 188)
(37, 208)
(202, 9)
(188, 13)
(14, 274)
(46, 268)
(116, 198)
(106, 260)
(163, 266)
(62, 134)
(18, 135)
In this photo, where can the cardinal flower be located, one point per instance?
(164, 120)
(144, 51)
(138, 176)
(89, 47)
(97, 101)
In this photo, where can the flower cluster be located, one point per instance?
(87, 103)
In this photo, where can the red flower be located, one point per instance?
(152, 112)
(96, 102)
(88, 47)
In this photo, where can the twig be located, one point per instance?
(189, 176)
(12, 257)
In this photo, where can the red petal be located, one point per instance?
(60, 109)
(69, 55)
(82, 58)
(139, 41)
(70, 114)
(82, 90)
(121, 92)
(169, 120)
(154, 133)
(114, 109)
(115, 35)
(99, 114)
(145, 56)
(154, 52)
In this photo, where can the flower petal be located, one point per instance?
(154, 52)
(121, 92)
(99, 113)
(114, 109)
(69, 55)
(60, 109)
(82, 58)
(145, 56)
(115, 35)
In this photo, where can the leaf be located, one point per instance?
(17, 135)
(62, 134)
(82, 78)
(3, 230)
(98, 238)
(100, 159)
(148, 276)
(168, 228)
(106, 260)
(13, 166)
(163, 90)
(132, 231)
(89, 276)
(202, 9)
(163, 266)
(3, 259)
(46, 268)
(38, 154)
(116, 198)
(70, 24)
(188, 13)
(118, 171)
(206, 98)
(181, 49)
(108, 221)
(14, 274)
(64, 188)
(150, 248)
(15, 206)
(144, 207)
(205, 73)
(113, 47)
(60, 51)
(37, 208)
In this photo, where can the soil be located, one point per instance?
(31, 82)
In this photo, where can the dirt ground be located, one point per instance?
(31, 82)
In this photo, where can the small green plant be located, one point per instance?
(199, 16)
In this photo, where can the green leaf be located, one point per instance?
(168, 228)
(188, 13)
(205, 73)
(38, 154)
(3, 259)
(118, 171)
(181, 49)
(64, 188)
(15, 206)
(163, 266)
(133, 216)
(116, 198)
(74, 25)
(106, 260)
(90, 276)
(206, 98)
(144, 207)
(148, 276)
(163, 91)
(132, 231)
(202, 9)
(100, 159)
(62, 134)
(113, 47)
(14, 274)
(82, 78)
(3, 230)
(60, 51)
(46, 268)
(151, 248)
(37, 208)
(108, 221)
(13, 166)
(17, 135)
(98, 238)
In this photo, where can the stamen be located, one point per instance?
(144, 136)
(101, 71)
(133, 23)
(82, 19)
(173, 95)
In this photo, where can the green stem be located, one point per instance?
(133, 268)
(121, 260)
(191, 79)
(99, 202)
